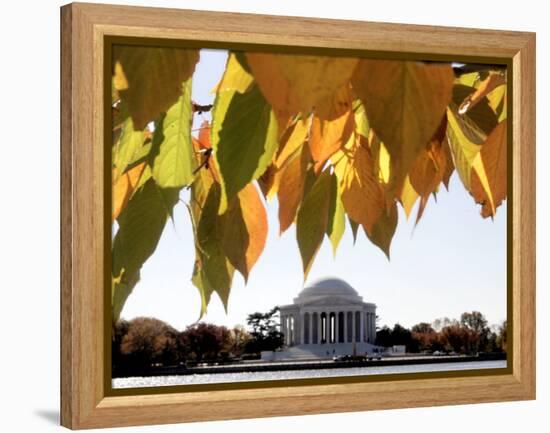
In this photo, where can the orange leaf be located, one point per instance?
(124, 188)
(328, 136)
(291, 188)
(244, 226)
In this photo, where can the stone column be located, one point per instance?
(298, 328)
(345, 326)
(336, 327)
(319, 327)
(353, 326)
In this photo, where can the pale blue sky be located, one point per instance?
(453, 261)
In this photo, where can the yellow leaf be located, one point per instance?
(493, 156)
(408, 196)
(235, 77)
(293, 138)
(493, 80)
(405, 102)
(362, 193)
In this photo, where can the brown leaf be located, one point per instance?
(150, 79)
(405, 102)
(429, 168)
(295, 84)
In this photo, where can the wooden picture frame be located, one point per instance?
(85, 28)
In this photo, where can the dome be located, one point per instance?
(327, 287)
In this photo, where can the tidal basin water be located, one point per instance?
(197, 379)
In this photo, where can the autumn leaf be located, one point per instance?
(493, 80)
(336, 216)
(362, 194)
(312, 220)
(429, 168)
(292, 139)
(174, 161)
(292, 187)
(140, 226)
(236, 76)
(244, 139)
(149, 79)
(124, 188)
(295, 83)
(129, 148)
(407, 196)
(244, 230)
(405, 102)
(384, 229)
(493, 155)
(212, 272)
(330, 133)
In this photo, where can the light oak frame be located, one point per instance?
(84, 401)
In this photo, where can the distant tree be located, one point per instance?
(427, 339)
(501, 339)
(120, 329)
(148, 341)
(204, 341)
(440, 323)
(477, 324)
(399, 335)
(422, 327)
(264, 332)
(237, 340)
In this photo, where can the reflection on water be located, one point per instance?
(197, 379)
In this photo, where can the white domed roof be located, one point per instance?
(327, 287)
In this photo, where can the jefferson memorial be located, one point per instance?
(327, 318)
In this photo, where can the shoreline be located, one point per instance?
(315, 364)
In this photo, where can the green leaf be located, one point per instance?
(140, 227)
(149, 79)
(244, 139)
(128, 149)
(174, 160)
(384, 229)
(212, 271)
(312, 220)
(336, 216)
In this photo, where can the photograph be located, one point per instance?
(282, 215)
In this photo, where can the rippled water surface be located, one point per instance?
(195, 379)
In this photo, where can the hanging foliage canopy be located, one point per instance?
(331, 137)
